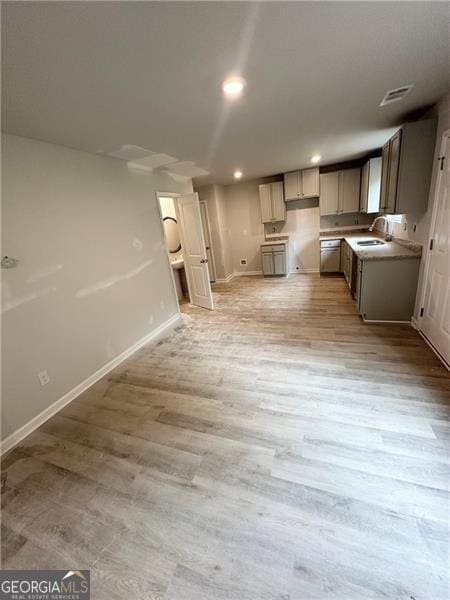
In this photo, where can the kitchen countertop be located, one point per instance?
(396, 249)
(274, 242)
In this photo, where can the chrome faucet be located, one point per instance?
(387, 236)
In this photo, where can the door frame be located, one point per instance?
(417, 322)
(175, 199)
(208, 226)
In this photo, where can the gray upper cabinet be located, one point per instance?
(329, 193)
(302, 184)
(291, 185)
(271, 198)
(392, 180)
(340, 192)
(310, 182)
(370, 186)
(407, 161)
(349, 195)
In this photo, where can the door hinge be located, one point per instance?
(431, 244)
(441, 159)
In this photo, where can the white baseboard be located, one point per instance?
(252, 273)
(246, 273)
(385, 321)
(226, 279)
(415, 324)
(238, 274)
(16, 437)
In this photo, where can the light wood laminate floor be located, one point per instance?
(274, 449)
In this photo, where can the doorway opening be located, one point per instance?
(187, 250)
(174, 248)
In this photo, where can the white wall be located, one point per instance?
(346, 220)
(247, 232)
(244, 223)
(302, 226)
(168, 209)
(93, 276)
(225, 233)
(218, 222)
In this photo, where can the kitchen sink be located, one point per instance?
(370, 243)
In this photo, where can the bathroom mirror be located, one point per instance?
(171, 233)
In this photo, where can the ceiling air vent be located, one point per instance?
(395, 95)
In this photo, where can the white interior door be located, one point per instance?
(194, 253)
(207, 237)
(435, 322)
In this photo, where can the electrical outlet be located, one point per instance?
(44, 377)
(243, 261)
(355, 222)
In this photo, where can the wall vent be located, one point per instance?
(395, 95)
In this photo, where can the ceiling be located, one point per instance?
(99, 75)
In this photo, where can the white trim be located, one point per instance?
(226, 279)
(385, 321)
(435, 350)
(16, 437)
(427, 257)
(211, 246)
(415, 323)
(245, 273)
(252, 273)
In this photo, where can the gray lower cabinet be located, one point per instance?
(347, 262)
(330, 256)
(386, 289)
(274, 260)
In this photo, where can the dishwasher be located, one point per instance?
(330, 256)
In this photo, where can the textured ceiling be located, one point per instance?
(100, 75)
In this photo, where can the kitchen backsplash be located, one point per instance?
(333, 221)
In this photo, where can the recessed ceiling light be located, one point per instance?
(316, 158)
(237, 174)
(232, 87)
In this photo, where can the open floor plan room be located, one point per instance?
(225, 300)
(277, 447)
